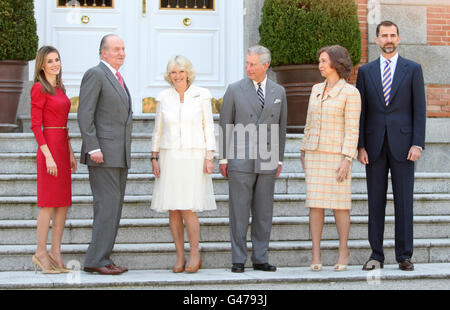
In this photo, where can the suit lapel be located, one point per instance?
(399, 74)
(252, 96)
(115, 83)
(375, 75)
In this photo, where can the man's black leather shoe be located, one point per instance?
(264, 267)
(238, 268)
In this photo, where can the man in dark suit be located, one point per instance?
(253, 121)
(105, 120)
(391, 138)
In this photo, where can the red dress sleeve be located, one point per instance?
(38, 100)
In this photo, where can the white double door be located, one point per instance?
(211, 39)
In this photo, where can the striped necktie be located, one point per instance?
(260, 95)
(387, 82)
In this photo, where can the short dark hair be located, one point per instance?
(386, 23)
(340, 59)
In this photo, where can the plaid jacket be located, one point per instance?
(332, 124)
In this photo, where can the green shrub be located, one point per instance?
(294, 30)
(18, 38)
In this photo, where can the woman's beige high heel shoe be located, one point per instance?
(316, 267)
(37, 262)
(62, 269)
(179, 269)
(339, 267)
(195, 268)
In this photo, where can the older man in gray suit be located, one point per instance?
(105, 120)
(253, 125)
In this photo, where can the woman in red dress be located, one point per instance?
(54, 160)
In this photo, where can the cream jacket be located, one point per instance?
(332, 123)
(187, 125)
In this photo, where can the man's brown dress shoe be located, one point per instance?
(106, 270)
(406, 265)
(120, 268)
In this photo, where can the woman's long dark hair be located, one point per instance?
(39, 75)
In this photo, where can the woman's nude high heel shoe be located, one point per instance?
(37, 262)
(195, 268)
(316, 267)
(339, 267)
(62, 269)
(179, 269)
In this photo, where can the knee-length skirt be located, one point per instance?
(322, 188)
(182, 184)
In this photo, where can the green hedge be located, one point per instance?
(18, 38)
(294, 30)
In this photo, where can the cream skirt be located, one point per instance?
(322, 188)
(182, 185)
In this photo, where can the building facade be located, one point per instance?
(215, 34)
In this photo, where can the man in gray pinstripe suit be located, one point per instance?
(253, 123)
(105, 120)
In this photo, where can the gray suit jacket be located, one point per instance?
(105, 118)
(253, 138)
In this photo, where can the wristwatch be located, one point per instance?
(348, 158)
(151, 159)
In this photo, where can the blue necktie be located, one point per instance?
(260, 95)
(387, 82)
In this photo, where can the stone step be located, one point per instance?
(141, 124)
(434, 276)
(18, 150)
(25, 163)
(141, 142)
(287, 183)
(24, 208)
(217, 230)
(435, 158)
(144, 256)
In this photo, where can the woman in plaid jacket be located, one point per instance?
(328, 148)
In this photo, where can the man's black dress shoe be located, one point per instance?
(264, 267)
(238, 268)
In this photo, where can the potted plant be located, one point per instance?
(294, 30)
(18, 45)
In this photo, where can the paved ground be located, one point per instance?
(425, 276)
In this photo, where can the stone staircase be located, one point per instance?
(144, 241)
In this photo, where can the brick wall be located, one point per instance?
(438, 25)
(364, 28)
(438, 98)
(438, 33)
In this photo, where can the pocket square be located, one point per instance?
(277, 101)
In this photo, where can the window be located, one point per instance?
(187, 4)
(86, 3)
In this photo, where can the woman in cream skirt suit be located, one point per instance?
(328, 148)
(183, 147)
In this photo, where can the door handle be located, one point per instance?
(85, 19)
(144, 8)
(187, 21)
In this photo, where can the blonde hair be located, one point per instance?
(39, 75)
(182, 63)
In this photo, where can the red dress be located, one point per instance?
(52, 111)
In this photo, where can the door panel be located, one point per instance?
(212, 38)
